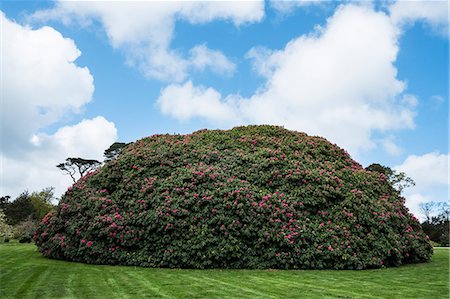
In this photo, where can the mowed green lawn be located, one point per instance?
(26, 274)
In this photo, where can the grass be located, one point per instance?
(24, 273)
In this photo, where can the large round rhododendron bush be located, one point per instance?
(250, 197)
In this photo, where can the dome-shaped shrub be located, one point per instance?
(250, 197)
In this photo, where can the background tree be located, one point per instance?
(114, 150)
(42, 202)
(436, 227)
(426, 208)
(78, 167)
(19, 209)
(4, 199)
(28, 206)
(22, 214)
(445, 210)
(398, 180)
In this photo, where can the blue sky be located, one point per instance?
(372, 78)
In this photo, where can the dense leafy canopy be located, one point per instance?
(18, 210)
(250, 197)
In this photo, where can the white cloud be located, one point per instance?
(413, 201)
(186, 101)
(202, 57)
(428, 171)
(87, 139)
(434, 13)
(41, 85)
(264, 61)
(431, 175)
(409, 100)
(40, 80)
(390, 146)
(339, 82)
(436, 101)
(36, 169)
(144, 30)
(286, 6)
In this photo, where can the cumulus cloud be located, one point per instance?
(413, 201)
(145, 37)
(431, 175)
(340, 82)
(41, 85)
(286, 6)
(434, 13)
(429, 170)
(264, 61)
(203, 57)
(187, 101)
(390, 146)
(41, 81)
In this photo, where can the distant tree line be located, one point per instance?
(18, 218)
(436, 227)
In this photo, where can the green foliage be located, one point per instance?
(18, 210)
(41, 202)
(399, 180)
(24, 231)
(437, 229)
(4, 200)
(444, 238)
(435, 244)
(27, 206)
(21, 215)
(250, 197)
(5, 229)
(114, 150)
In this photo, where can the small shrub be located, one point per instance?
(250, 197)
(24, 231)
(435, 244)
(25, 239)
